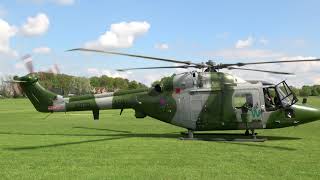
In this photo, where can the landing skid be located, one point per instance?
(238, 138)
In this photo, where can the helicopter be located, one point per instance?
(203, 100)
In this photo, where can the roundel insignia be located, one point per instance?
(162, 101)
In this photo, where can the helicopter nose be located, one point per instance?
(305, 114)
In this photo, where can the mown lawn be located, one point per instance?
(73, 146)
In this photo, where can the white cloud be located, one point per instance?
(146, 77)
(161, 46)
(114, 74)
(301, 67)
(244, 43)
(64, 2)
(36, 25)
(120, 35)
(107, 72)
(246, 53)
(41, 50)
(58, 2)
(94, 71)
(6, 33)
(287, 58)
(305, 72)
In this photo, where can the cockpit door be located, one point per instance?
(285, 95)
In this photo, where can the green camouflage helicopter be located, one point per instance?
(198, 101)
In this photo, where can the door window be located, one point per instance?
(242, 100)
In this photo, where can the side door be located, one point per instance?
(196, 104)
(247, 107)
(183, 107)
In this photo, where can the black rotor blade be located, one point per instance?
(159, 67)
(258, 70)
(266, 62)
(137, 56)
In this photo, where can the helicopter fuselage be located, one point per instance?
(193, 100)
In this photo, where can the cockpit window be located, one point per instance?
(286, 96)
(271, 99)
(278, 96)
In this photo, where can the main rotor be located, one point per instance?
(209, 66)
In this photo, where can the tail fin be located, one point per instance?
(39, 97)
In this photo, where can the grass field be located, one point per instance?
(73, 146)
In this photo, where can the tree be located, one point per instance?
(165, 82)
(65, 84)
(314, 92)
(133, 85)
(305, 91)
(155, 83)
(295, 90)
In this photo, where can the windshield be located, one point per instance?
(286, 96)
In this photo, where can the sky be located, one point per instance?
(222, 31)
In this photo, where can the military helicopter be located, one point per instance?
(196, 100)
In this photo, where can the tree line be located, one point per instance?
(71, 85)
(306, 90)
(65, 85)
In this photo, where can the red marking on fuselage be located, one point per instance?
(54, 108)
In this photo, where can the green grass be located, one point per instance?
(73, 146)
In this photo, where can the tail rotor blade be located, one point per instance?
(27, 59)
(17, 89)
(56, 69)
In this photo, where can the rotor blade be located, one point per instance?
(267, 62)
(14, 81)
(159, 67)
(258, 70)
(27, 60)
(57, 68)
(137, 56)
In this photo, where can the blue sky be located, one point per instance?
(225, 31)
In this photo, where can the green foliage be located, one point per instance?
(133, 85)
(113, 84)
(305, 91)
(82, 85)
(165, 82)
(295, 90)
(65, 84)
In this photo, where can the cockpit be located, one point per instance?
(278, 96)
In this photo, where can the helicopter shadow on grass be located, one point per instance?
(241, 135)
(101, 129)
(128, 134)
